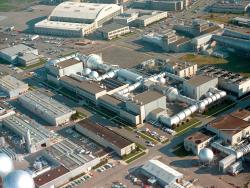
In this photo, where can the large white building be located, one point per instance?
(12, 86)
(47, 108)
(162, 174)
(77, 19)
(20, 53)
(35, 135)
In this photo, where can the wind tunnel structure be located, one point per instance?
(120, 98)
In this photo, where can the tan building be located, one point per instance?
(197, 141)
(182, 69)
(232, 130)
(114, 30)
(105, 137)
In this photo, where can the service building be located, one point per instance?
(35, 135)
(12, 86)
(47, 108)
(199, 85)
(114, 30)
(105, 137)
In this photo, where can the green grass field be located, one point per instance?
(232, 63)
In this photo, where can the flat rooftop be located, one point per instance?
(111, 100)
(105, 133)
(90, 87)
(198, 137)
(198, 80)
(67, 63)
(112, 27)
(229, 124)
(11, 83)
(22, 124)
(68, 154)
(148, 96)
(182, 40)
(46, 104)
(242, 114)
(14, 50)
(50, 175)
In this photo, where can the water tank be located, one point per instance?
(162, 80)
(93, 60)
(6, 164)
(206, 155)
(86, 71)
(18, 179)
(171, 93)
(93, 74)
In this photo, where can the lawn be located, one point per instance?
(41, 62)
(140, 151)
(180, 151)
(232, 63)
(219, 108)
(186, 126)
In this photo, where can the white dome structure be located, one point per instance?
(6, 165)
(162, 80)
(206, 155)
(86, 71)
(93, 60)
(94, 75)
(172, 93)
(18, 179)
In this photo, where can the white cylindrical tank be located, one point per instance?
(6, 165)
(18, 179)
(206, 155)
(86, 71)
(94, 75)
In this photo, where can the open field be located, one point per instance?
(232, 63)
(7, 5)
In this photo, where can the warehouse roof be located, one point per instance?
(90, 87)
(60, 25)
(86, 11)
(112, 27)
(14, 50)
(198, 80)
(105, 133)
(148, 96)
(11, 83)
(22, 124)
(50, 175)
(162, 172)
(67, 63)
(229, 124)
(46, 104)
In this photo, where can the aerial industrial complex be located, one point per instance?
(124, 94)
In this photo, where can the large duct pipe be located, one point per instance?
(175, 77)
(109, 74)
(169, 121)
(139, 83)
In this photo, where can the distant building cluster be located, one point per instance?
(235, 7)
(168, 5)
